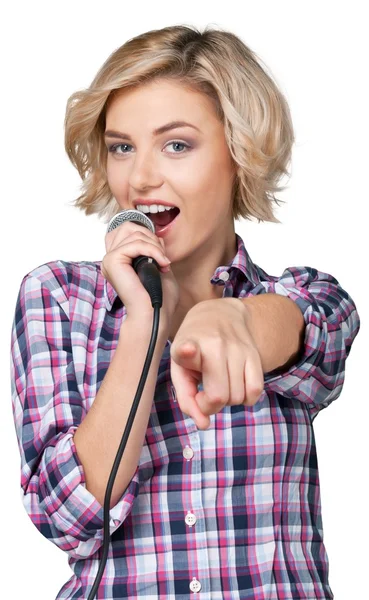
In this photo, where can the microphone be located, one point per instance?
(146, 267)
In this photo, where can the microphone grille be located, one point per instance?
(136, 216)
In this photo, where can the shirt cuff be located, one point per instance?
(70, 506)
(299, 381)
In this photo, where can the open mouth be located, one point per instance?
(162, 219)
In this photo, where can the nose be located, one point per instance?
(144, 173)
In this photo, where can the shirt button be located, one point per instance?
(190, 519)
(188, 453)
(224, 275)
(195, 586)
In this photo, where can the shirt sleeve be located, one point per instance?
(47, 409)
(331, 325)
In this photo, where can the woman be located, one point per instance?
(217, 492)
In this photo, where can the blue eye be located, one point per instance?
(113, 149)
(179, 144)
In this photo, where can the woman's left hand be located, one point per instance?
(214, 344)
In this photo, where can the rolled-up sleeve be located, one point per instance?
(331, 325)
(47, 409)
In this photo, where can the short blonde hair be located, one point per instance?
(255, 114)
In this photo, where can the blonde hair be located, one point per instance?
(255, 114)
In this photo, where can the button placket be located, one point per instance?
(193, 507)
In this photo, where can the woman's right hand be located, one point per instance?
(123, 244)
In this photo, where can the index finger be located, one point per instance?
(202, 421)
(185, 382)
(124, 230)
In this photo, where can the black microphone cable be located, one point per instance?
(147, 270)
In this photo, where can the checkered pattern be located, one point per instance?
(250, 481)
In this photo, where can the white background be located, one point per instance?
(317, 52)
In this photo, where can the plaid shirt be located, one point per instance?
(232, 512)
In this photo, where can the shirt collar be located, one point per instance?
(241, 262)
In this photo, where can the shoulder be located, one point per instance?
(64, 278)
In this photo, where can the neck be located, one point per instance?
(194, 281)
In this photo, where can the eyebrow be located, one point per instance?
(172, 125)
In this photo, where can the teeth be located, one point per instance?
(154, 208)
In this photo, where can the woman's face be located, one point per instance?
(189, 167)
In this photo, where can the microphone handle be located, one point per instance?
(147, 270)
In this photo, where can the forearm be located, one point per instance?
(277, 326)
(98, 437)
